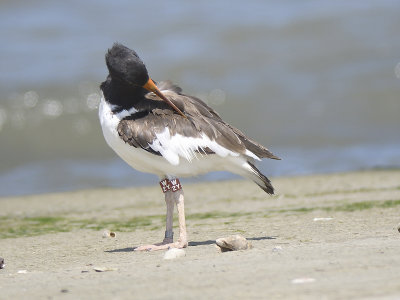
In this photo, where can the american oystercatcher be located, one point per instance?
(157, 129)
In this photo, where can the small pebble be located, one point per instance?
(22, 272)
(398, 227)
(233, 243)
(108, 233)
(2, 264)
(174, 253)
(277, 249)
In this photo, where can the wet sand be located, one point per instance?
(321, 237)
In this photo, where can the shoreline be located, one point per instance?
(332, 236)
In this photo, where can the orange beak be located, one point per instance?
(150, 86)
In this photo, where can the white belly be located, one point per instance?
(145, 161)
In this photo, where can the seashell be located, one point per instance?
(233, 243)
(104, 269)
(322, 219)
(303, 280)
(108, 233)
(173, 253)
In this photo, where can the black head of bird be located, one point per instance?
(125, 65)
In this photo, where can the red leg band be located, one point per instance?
(173, 185)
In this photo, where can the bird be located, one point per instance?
(156, 128)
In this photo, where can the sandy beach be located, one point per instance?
(320, 237)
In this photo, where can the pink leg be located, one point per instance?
(180, 204)
(173, 194)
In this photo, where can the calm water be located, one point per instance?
(318, 82)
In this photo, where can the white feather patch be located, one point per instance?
(124, 113)
(251, 154)
(189, 148)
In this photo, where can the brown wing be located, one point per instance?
(141, 128)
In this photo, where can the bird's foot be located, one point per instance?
(162, 246)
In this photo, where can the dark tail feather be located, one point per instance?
(261, 180)
(253, 146)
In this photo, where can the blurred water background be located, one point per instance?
(318, 82)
